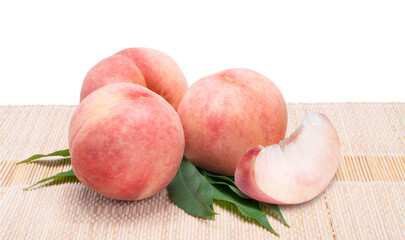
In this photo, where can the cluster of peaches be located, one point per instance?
(138, 117)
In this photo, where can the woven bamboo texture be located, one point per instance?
(366, 199)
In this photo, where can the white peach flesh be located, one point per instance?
(295, 170)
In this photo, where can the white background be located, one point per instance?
(315, 51)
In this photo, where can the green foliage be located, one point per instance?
(61, 175)
(61, 153)
(191, 192)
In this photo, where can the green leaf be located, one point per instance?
(229, 181)
(62, 153)
(208, 192)
(232, 186)
(277, 211)
(60, 175)
(220, 177)
(190, 193)
(239, 192)
(248, 208)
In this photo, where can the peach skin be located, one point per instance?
(226, 114)
(144, 66)
(126, 142)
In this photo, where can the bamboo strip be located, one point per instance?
(364, 201)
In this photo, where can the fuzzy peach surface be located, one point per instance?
(147, 67)
(126, 142)
(226, 114)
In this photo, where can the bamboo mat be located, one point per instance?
(366, 200)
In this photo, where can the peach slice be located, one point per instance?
(295, 170)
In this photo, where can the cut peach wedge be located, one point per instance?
(295, 170)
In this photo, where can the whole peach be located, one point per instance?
(226, 114)
(144, 66)
(126, 142)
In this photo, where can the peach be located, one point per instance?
(297, 169)
(226, 114)
(126, 142)
(144, 66)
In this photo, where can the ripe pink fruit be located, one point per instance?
(297, 169)
(143, 66)
(126, 142)
(226, 114)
